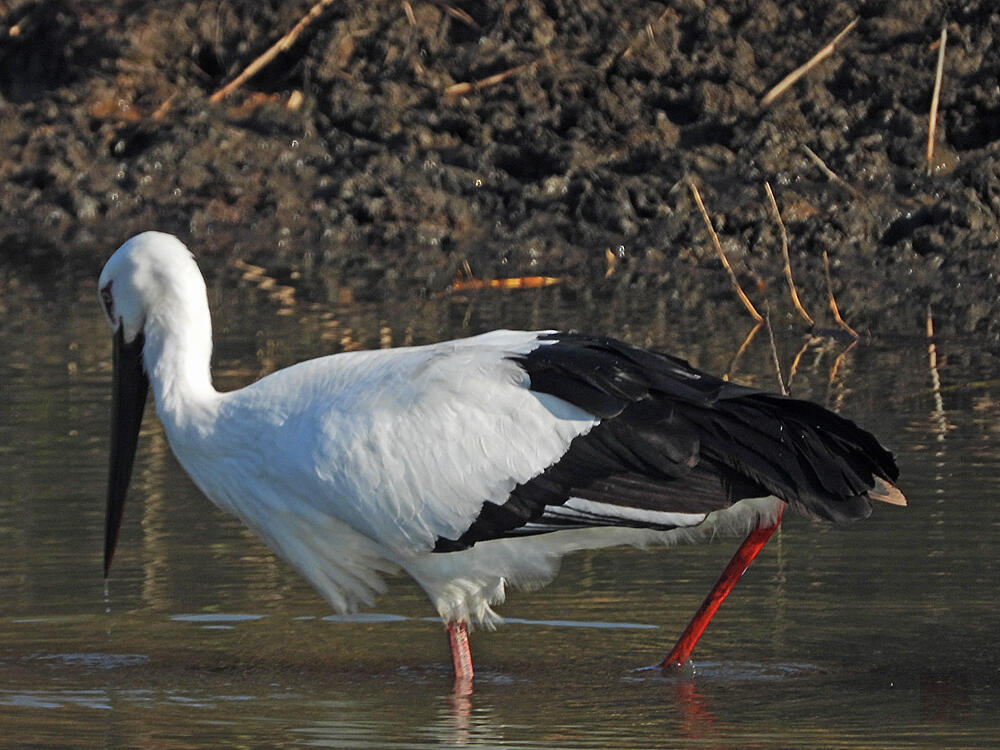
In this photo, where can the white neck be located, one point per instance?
(177, 355)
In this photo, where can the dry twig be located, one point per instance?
(456, 13)
(611, 262)
(465, 87)
(932, 121)
(784, 252)
(515, 282)
(257, 275)
(794, 368)
(722, 256)
(279, 46)
(785, 83)
(647, 32)
(774, 353)
(833, 300)
(743, 347)
(161, 111)
(408, 12)
(834, 371)
(830, 174)
(295, 100)
(940, 418)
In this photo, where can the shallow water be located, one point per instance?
(884, 634)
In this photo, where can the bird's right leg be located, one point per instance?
(738, 565)
(461, 656)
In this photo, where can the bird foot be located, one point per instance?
(678, 668)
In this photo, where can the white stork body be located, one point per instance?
(450, 461)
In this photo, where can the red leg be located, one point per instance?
(755, 540)
(461, 656)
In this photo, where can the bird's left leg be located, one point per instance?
(738, 565)
(461, 656)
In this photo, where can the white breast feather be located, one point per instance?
(352, 466)
(395, 447)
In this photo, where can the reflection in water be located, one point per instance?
(698, 721)
(851, 637)
(155, 514)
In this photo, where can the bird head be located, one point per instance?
(135, 286)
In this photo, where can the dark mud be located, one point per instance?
(346, 163)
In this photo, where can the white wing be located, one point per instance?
(404, 445)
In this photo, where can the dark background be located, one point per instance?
(347, 158)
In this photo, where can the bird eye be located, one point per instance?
(108, 302)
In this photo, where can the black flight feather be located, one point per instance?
(675, 439)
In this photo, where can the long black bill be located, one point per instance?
(128, 396)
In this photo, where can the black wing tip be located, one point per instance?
(755, 442)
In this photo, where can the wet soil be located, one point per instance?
(352, 161)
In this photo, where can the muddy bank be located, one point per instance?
(352, 160)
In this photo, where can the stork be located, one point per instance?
(472, 465)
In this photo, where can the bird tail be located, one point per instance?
(886, 492)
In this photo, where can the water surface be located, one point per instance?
(884, 634)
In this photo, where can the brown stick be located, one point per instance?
(161, 111)
(408, 12)
(648, 33)
(279, 46)
(833, 300)
(465, 87)
(830, 174)
(722, 256)
(743, 347)
(932, 361)
(784, 252)
(932, 121)
(257, 275)
(794, 369)
(834, 371)
(456, 13)
(788, 81)
(774, 353)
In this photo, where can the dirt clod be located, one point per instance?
(358, 149)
